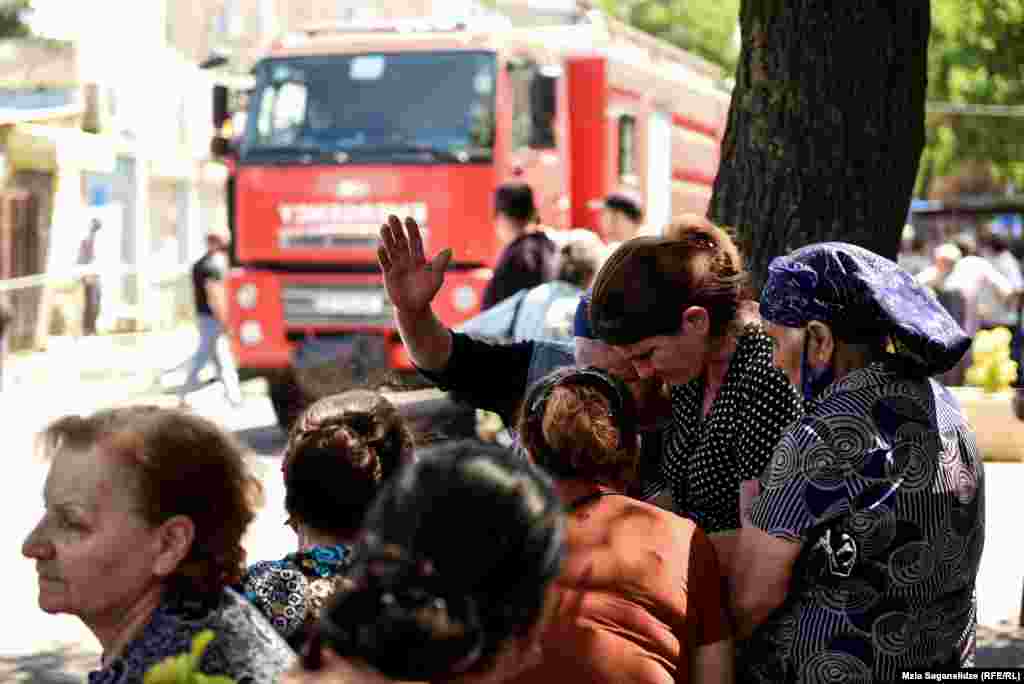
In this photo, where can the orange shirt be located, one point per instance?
(640, 591)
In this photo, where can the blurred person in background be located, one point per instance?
(141, 538)
(90, 281)
(913, 257)
(339, 453)
(546, 311)
(675, 309)
(450, 580)
(529, 256)
(996, 312)
(944, 259)
(622, 217)
(208, 289)
(960, 279)
(641, 597)
(993, 310)
(862, 539)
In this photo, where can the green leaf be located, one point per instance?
(199, 644)
(184, 667)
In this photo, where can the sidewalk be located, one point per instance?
(76, 374)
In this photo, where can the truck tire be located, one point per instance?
(287, 398)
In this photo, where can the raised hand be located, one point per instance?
(411, 281)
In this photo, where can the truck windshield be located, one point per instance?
(415, 107)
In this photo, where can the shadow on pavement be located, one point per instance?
(267, 440)
(65, 665)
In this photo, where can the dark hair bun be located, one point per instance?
(362, 459)
(419, 606)
(339, 453)
(394, 605)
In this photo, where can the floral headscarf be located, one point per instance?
(863, 295)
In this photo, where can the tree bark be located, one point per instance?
(826, 125)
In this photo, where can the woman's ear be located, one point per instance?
(821, 344)
(175, 537)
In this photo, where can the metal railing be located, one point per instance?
(77, 273)
(131, 298)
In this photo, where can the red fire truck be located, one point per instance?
(348, 124)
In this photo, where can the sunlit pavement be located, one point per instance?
(35, 647)
(60, 642)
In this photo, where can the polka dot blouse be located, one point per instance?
(705, 459)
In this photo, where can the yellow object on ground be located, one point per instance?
(992, 368)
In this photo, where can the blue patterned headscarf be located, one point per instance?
(861, 296)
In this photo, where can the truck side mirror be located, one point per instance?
(220, 106)
(543, 106)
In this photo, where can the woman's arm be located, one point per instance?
(426, 338)
(763, 566)
(714, 663)
(713, 656)
(486, 375)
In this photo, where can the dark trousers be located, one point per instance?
(91, 311)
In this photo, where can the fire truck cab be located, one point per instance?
(346, 125)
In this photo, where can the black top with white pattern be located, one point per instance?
(705, 459)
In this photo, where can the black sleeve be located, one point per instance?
(216, 268)
(486, 375)
(505, 282)
(525, 263)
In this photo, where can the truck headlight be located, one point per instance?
(464, 298)
(246, 296)
(250, 333)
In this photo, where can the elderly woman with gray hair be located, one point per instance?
(861, 541)
(142, 538)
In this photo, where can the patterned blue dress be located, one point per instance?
(244, 648)
(883, 486)
(292, 591)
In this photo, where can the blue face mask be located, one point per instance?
(813, 381)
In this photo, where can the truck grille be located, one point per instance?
(335, 305)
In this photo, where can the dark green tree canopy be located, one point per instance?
(708, 28)
(13, 14)
(976, 58)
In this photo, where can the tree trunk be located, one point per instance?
(826, 125)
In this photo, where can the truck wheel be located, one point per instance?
(287, 398)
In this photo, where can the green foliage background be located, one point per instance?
(12, 15)
(708, 28)
(976, 56)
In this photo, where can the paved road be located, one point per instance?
(38, 648)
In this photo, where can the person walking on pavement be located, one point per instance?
(90, 281)
(211, 314)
